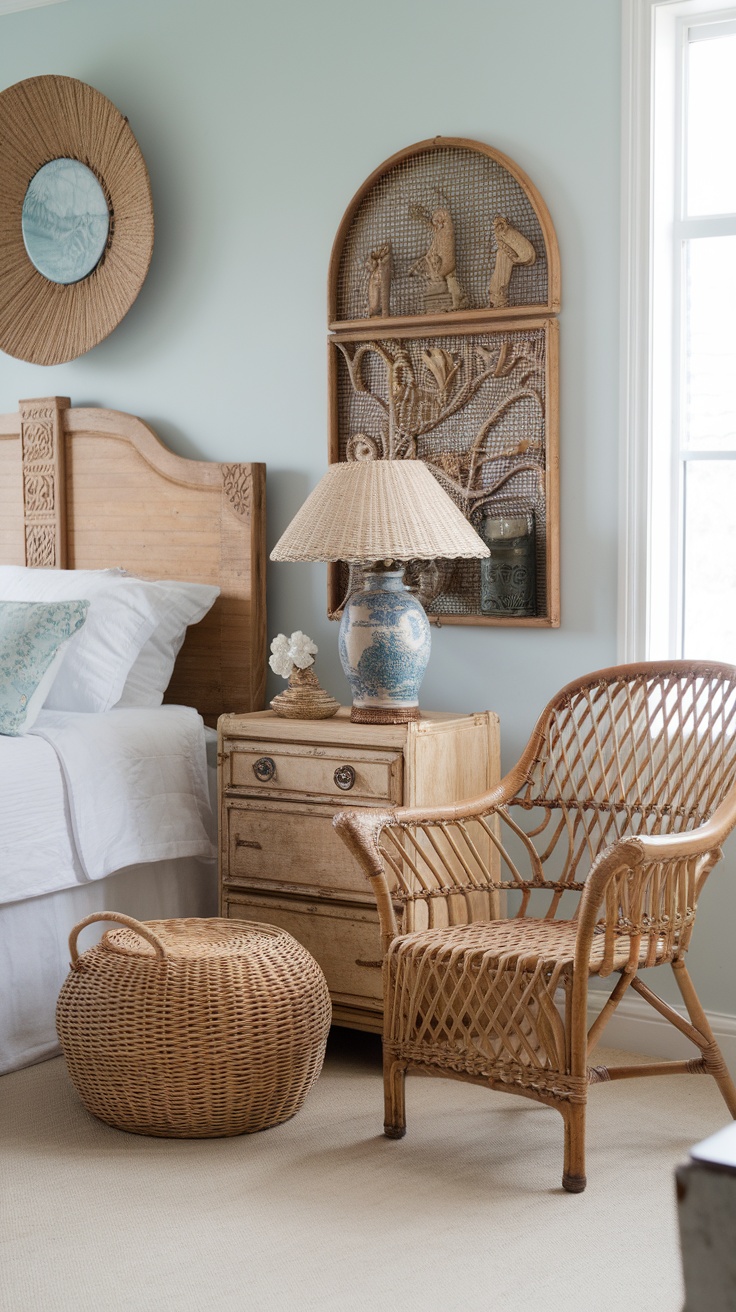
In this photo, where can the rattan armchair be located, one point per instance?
(614, 814)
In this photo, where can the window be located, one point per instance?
(678, 575)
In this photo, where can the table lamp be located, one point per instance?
(381, 514)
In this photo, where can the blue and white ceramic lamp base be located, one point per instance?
(384, 649)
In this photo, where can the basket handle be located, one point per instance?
(136, 925)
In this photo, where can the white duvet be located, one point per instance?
(82, 795)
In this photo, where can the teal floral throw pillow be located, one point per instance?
(33, 638)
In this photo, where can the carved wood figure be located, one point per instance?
(438, 265)
(379, 281)
(512, 248)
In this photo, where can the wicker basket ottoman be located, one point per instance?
(192, 1028)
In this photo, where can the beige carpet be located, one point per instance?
(465, 1213)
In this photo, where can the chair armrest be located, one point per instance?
(646, 850)
(361, 831)
(647, 888)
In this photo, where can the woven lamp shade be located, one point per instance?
(48, 118)
(379, 510)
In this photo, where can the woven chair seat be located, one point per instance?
(504, 944)
(483, 999)
(479, 999)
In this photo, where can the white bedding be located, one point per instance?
(85, 794)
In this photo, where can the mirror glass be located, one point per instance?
(65, 221)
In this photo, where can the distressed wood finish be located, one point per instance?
(606, 831)
(128, 501)
(281, 861)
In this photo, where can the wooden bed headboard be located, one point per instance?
(92, 489)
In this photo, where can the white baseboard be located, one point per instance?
(636, 1027)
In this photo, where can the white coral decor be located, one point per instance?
(302, 650)
(281, 661)
(297, 650)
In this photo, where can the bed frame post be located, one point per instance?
(44, 485)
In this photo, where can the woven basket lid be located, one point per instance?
(188, 938)
(379, 510)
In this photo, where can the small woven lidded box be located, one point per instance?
(192, 1028)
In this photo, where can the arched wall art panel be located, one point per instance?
(444, 287)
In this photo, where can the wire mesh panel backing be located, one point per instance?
(444, 287)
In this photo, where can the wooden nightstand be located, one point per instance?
(280, 783)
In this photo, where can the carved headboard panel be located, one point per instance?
(91, 489)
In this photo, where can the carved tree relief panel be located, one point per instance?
(473, 406)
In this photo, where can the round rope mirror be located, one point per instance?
(76, 219)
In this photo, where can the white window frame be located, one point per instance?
(649, 237)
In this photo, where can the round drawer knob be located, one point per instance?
(344, 777)
(264, 768)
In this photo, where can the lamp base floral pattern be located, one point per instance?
(384, 649)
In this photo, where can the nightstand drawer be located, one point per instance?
(273, 769)
(290, 844)
(346, 941)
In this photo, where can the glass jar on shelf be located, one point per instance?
(508, 585)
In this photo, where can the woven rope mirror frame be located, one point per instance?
(59, 118)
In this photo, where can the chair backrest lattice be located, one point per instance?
(637, 749)
(660, 748)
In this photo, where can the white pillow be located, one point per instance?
(120, 619)
(177, 605)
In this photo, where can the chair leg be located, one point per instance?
(394, 1080)
(714, 1063)
(573, 1177)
